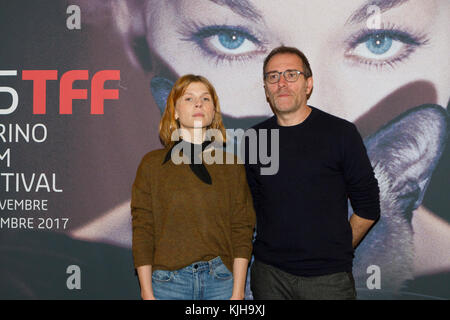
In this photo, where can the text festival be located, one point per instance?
(66, 91)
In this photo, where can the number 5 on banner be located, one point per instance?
(11, 91)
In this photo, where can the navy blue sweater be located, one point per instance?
(302, 210)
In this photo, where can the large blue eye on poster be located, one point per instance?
(83, 85)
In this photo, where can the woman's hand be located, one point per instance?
(147, 296)
(239, 296)
(145, 281)
(239, 274)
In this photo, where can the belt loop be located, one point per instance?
(210, 266)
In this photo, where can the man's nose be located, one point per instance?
(282, 82)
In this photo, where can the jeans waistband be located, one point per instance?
(204, 265)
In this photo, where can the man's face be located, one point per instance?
(287, 97)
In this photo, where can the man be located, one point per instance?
(304, 241)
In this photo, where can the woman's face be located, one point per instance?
(195, 108)
(355, 69)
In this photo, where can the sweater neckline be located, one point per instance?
(307, 120)
(194, 150)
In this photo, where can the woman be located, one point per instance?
(192, 223)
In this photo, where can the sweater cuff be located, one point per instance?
(242, 252)
(368, 214)
(143, 255)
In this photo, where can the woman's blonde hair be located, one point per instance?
(168, 124)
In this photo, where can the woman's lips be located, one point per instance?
(198, 115)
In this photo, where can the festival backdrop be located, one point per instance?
(83, 85)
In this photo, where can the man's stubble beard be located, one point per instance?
(294, 107)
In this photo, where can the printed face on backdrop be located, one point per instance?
(355, 68)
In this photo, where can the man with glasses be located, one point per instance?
(304, 240)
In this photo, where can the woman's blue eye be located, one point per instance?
(379, 43)
(225, 42)
(382, 47)
(230, 40)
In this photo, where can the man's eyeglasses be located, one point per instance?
(289, 76)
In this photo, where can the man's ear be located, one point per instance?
(265, 92)
(309, 86)
(129, 19)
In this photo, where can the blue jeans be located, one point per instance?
(203, 280)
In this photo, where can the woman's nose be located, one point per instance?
(198, 103)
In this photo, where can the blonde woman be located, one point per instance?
(192, 222)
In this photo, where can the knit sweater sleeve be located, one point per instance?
(142, 218)
(243, 217)
(362, 186)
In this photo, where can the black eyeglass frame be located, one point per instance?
(284, 75)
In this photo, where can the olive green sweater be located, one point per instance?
(177, 219)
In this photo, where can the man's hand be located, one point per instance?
(360, 226)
